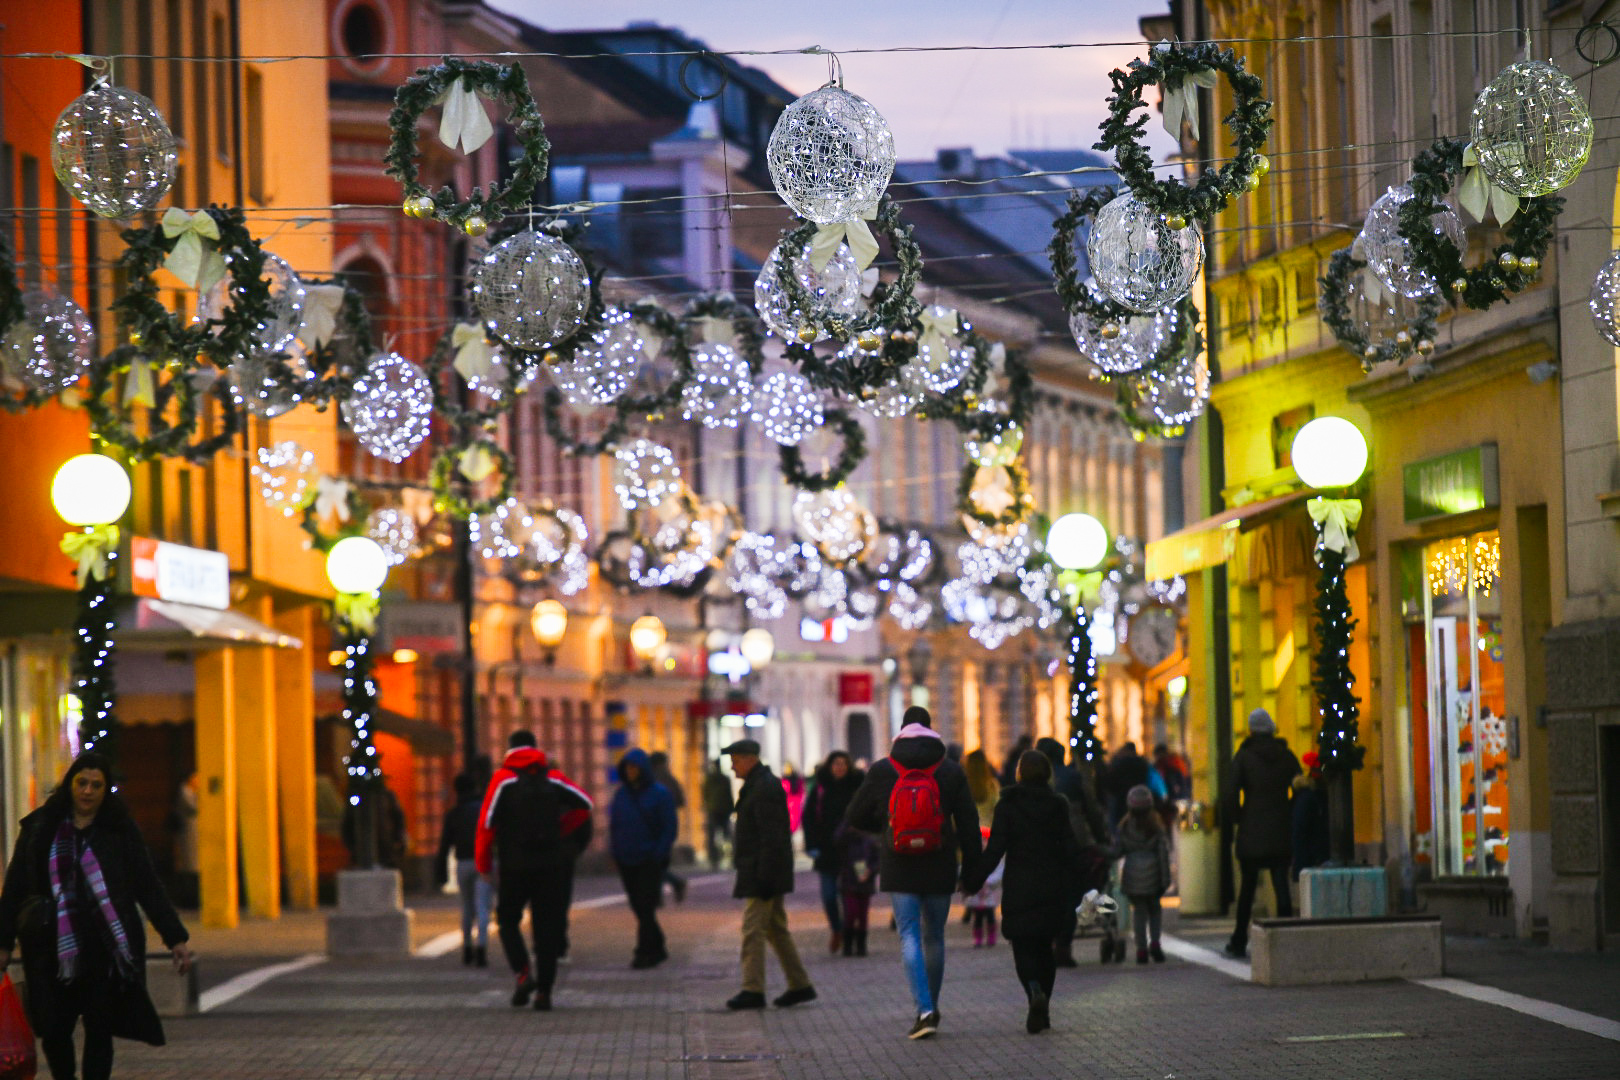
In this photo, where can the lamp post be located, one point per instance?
(1077, 543)
(647, 636)
(91, 492)
(357, 567)
(549, 621)
(1330, 455)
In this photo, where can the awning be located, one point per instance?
(1212, 541)
(162, 625)
(424, 736)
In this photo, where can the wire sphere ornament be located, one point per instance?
(835, 522)
(835, 290)
(644, 474)
(1001, 448)
(1140, 261)
(1375, 324)
(830, 155)
(1390, 254)
(114, 151)
(503, 377)
(288, 297)
(788, 407)
(752, 568)
(898, 554)
(556, 548)
(721, 391)
(603, 368)
(395, 531)
(1121, 346)
(1531, 129)
(909, 608)
(390, 409)
(284, 472)
(504, 532)
(532, 290)
(896, 398)
(943, 359)
(1605, 301)
(52, 346)
(1178, 396)
(266, 384)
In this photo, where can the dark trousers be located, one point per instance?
(59, 1008)
(829, 900)
(1063, 943)
(1251, 882)
(1034, 962)
(644, 888)
(1147, 915)
(567, 872)
(544, 891)
(857, 906)
(716, 827)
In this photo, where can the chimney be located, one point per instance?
(958, 163)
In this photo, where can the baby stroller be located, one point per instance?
(1099, 908)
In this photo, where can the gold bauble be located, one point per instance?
(1403, 338)
(1370, 352)
(1508, 261)
(869, 341)
(1530, 264)
(136, 338)
(1424, 347)
(1176, 221)
(1109, 331)
(475, 225)
(807, 334)
(1251, 181)
(1459, 285)
(1262, 164)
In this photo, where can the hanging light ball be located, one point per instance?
(909, 608)
(644, 474)
(721, 389)
(830, 156)
(395, 531)
(942, 361)
(1138, 260)
(51, 347)
(835, 522)
(1531, 129)
(602, 369)
(835, 290)
(391, 407)
(999, 449)
(1605, 301)
(531, 290)
(503, 533)
(114, 151)
(504, 377)
(284, 473)
(752, 568)
(266, 384)
(1133, 344)
(788, 408)
(1178, 396)
(1388, 252)
(287, 299)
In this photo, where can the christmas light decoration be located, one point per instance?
(1082, 664)
(1389, 254)
(1531, 129)
(52, 346)
(1140, 261)
(1605, 300)
(788, 407)
(284, 472)
(532, 290)
(721, 391)
(91, 492)
(644, 474)
(835, 290)
(114, 151)
(830, 155)
(390, 407)
(395, 532)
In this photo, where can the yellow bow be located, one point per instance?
(88, 548)
(321, 306)
(476, 463)
(463, 119)
(331, 498)
(358, 610)
(194, 259)
(475, 356)
(936, 327)
(139, 385)
(1476, 193)
(1181, 98)
(856, 233)
(418, 503)
(1336, 521)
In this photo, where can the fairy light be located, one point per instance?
(93, 658)
(1082, 688)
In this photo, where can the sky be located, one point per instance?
(989, 101)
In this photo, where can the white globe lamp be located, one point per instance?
(90, 489)
(647, 636)
(1329, 452)
(758, 647)
(549, 622)
(356, 564)
(1077, 542)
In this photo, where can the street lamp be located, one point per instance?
(1330, 454)
(549, 621)
(357, 566)
(91, 492)
(1077, 542)
(647, 636)
(758, 646)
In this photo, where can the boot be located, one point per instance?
(978, 937)
(860, 944)
(467, 955)
(1039, 1018)
(849, 942)
(481, 957)
(990, 936)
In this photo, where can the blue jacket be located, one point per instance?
(642, 825)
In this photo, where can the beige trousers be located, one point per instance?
(766, 921)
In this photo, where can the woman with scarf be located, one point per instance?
(77, 873)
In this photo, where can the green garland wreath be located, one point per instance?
(1167, 66)
(448, 500)
(358, 508)
(849, 457)
(977, 422)
(343, 358)
(747, 329)
(677, 341)
(1015, 513)
(1334, 306)
(893, 303)
(552, 413)
(1514, 264)
(479, 210)
(186, 389)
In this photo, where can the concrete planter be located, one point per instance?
(1304, 952)
(1478, 906)
(371, 919)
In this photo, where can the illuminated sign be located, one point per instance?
(181, 575)
(1455, 483)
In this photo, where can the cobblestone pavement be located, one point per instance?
(423, 1018)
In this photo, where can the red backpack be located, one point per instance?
(916, 814)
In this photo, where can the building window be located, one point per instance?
(1304, 290)
(257, 158)
(221, 105)
(362, 33)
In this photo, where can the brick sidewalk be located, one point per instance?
(434, 1018)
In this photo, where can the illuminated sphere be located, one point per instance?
(549, 622)
(1531, 129)
(395, 532)
(390, 408)
(941, 363)
(356, 564)
(830, 156)
(1605, 302)
(1390, 254)
(114, 151)
(758, 646)
(1077, 542)
(266, 381)
(644, 474)
(1178, 396)
(1329, 452)
(90, 489)
(835, 290)
(531, 290)
(1135, 346)
(1380, 320)
(287, 299)
(721, 389)
(647, 636)
(1138, 260)
(51, 347)
(835, 522)
(788, 407)
(284, 472)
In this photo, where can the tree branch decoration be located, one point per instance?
(1331, 675)
(341, 357)
(1177, 69)
(1334, 306)
(1513, 265)
(852, 453)
(892, 304)
(451, 79)
(1083, 739)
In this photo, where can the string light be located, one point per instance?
(1082, 688)
(93, 655)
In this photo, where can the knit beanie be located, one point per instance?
(1261, 723)
(1139, 797)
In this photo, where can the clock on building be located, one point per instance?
(1153, 636)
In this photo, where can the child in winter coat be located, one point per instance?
(982, 904)
(1146, 875)
(857, 881)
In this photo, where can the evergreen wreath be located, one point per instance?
(310, 522)
(893, 303)
(1334, 306)
(447, 499)
(747, 329)
(849, 457)
(979, 423)
(479, 210)
(168, 432)
(677, 341)
(570, 445)
(338, 362)
(1128, 393)
(1018, 511)
(1168, 65)
(1529, 234)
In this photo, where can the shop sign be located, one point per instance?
(1190, 552)
(854, 688)
(1454, 483)
(429, 627)
(179, 574)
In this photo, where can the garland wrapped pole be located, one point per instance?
(1083, 742)
(357, 567)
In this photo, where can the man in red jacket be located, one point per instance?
(533, 825)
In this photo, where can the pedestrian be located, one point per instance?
(658, 762)
(642, 832)
(717, 807)
(1171, 768)
(1086, 822)
(523, 830)
(981, 906)
(1312, 843)
(1039, 887)
(1009, 764)
(763, 855)
(1145, 878)
(858, 855)
(78, 871)
(919, 802)
(1256, 798)
(793, 788)
(985, 788)
(1126, 769)
(459, 838)
(836, 781)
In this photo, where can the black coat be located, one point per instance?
(762, 840)
(936, 872)
(1313, 844)
(126, 866)
(1257, 797)
(1040, 884)
(823, 815)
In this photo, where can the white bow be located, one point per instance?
(1181, 100)
(139, 385)
(475, 356)
(476, 463)
(321, 306)
(195, 257)
(937, 325)
(856, 233)
(1476, 193)
(331, 497)
(1336, 521)
(463, 118)
(714, 331)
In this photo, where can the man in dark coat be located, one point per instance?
(1126, 770)
(641, 827)
(836, 782)
(658, 762)
(1256, 798)
(920, 885)
(763, 853)
(717, 807)
(1086, 822)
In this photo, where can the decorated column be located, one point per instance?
(357, 567)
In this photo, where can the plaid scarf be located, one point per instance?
(64, 891)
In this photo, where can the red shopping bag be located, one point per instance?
(17, 1057)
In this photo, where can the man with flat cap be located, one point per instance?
(762, 849)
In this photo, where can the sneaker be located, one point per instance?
(926, 1025)
(1235, 952)
(1039, 1018)
(1141, 956)
(523, 990)
(542, 1001)
(1156, 952)
(795, 997)
(748, 999)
